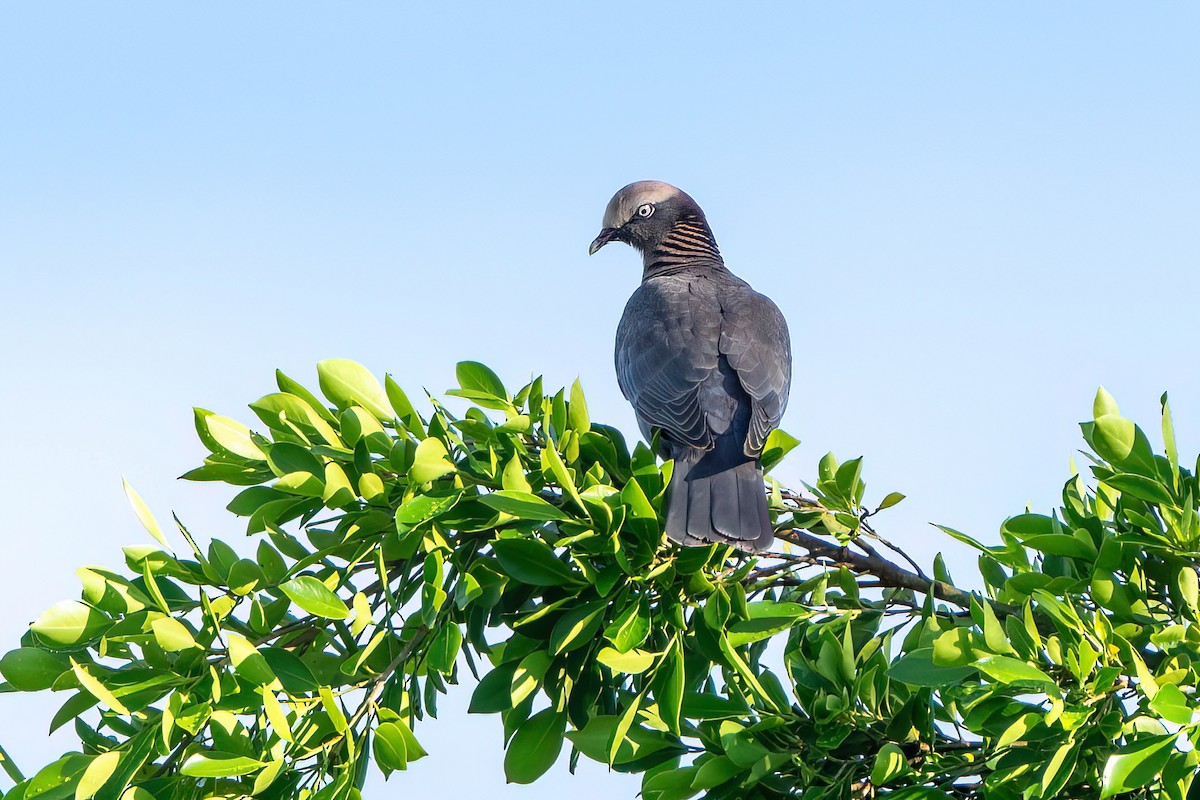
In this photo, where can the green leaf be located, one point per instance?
(143, 514)
(634, 662)
(315, 597)
(1104, 404)
(430, 462)
(890, 500)
(890, 763)
(283, 411)
(535, 747)
(1135, 765)
(395, 746)
(668, 686)
(766, 618)
(630, 628)
(577, 627)
(97, 689)
(624, 723)
(230, 436)
(97, 774)
(779, 443)
(524, 505)
(1141, 487)
(31, 669)
(286, 458)
(716, 771)
(1120, 442)
(532, 561)
(475, 377)
(1168, 432)
(443, 650)
(917, 668)
(552, 461)
(577, 410)
(1008, 670)
(290, 386)
(702, 705)
(69, 624)
(1171, 704)
(247, 661)
(211, 764)
(172, 635)
(494, 692)
(293, 673)
(671, 784)
(421, 508)
(346, 383)
(405, 411)
(262, 781)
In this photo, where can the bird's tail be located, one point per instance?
(727, 506)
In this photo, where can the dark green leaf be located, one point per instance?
(535, 747)
(532, 561)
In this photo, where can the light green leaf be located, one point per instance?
(444, 648)
(553, 462)
(404, 407)
(524, 505)
(1135, 765)
(247, 661)
(229, 435)
(264, 779)
(514, 476)
(1008, 670)
(315, 597)
(577, 411)
(779, 443)
(890, 763)
(430, 462)
(346, 383)
(97, 774)
(1171, 704)
(172, 635)
(211, 764)
(577, 627)
(69, 623)
(97, 689)
(475, 377)
(143, 514)
(337, 491)
(634, 662)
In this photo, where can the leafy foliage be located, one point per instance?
(521, 541)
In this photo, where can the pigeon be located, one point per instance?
(706, 363)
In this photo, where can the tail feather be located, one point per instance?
(727, 506)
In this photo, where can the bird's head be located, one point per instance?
(644, 213)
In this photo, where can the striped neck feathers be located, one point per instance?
(689, 244)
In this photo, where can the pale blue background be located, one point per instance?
(971, 215)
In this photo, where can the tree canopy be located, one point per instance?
(521, 541)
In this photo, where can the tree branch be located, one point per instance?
(890, 575)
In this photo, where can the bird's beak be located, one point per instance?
(606, 236)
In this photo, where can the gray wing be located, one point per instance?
(667, 349)
(755, 339)
(669, 345)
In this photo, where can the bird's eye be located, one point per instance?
(645, 209)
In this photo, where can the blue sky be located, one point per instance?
(971, 215)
